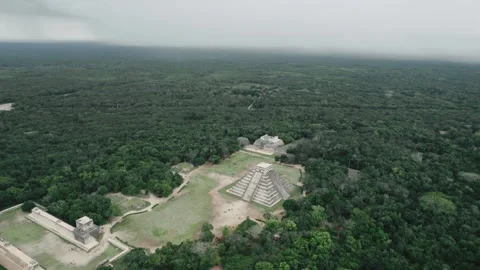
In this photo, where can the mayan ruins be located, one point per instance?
(266, 145)
(14, 259)
(83, 236)
(262, 185)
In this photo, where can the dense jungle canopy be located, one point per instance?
(90, 119)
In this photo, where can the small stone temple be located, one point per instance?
(83, 236)
(85, 230)
(268, 143)
(262, 185)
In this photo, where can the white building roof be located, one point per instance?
(84, 220)
(264, 165)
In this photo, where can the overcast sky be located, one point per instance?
(418, 28)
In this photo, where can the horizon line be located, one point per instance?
(335, 53)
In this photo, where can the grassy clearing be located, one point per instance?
(125, 204)
(175, 221)
(288, 173)
(17, 229)
(49, 262)
(181, 218)
(117, 198)
(238, 162)
(133, 204)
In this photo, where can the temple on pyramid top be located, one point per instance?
(262, 185)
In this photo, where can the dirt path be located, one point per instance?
(251, 105)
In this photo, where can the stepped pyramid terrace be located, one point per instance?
(262, 185)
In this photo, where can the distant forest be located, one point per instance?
(90, 119)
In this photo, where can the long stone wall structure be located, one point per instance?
(14, 259)
(60, 228)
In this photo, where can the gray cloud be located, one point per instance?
(35, 8)
(40, 20)
(399, 28)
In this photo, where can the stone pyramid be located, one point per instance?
(262, 185)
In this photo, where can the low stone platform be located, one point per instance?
(14, 259)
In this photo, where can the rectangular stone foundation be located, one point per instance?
(14, 259)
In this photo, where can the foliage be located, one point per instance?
(206, 234)
(438, 203)
(90, 119)
(28, 206)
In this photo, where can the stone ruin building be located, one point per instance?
(14, 259)
(85, 230)
(268, 143)
(262, 185)
(83, 236)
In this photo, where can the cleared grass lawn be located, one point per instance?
(181, 218)
(49, 262)
(117, 198)
(17, 229)
(288, 173)
(125, 204)
(133, 204)
(175, 221)
(237, 163)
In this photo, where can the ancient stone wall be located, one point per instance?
(14, 259)
(51, 223)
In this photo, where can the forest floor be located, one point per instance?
(51, 251)
(198, 200)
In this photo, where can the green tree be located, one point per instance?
(264, 266)
(28, 206)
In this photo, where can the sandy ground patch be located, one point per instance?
(229, 211)
(62, 251)
(6, 107)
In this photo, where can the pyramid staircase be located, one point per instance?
(262, 185)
